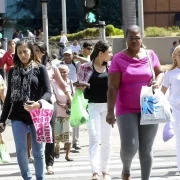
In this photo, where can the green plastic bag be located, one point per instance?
(4, 155)
(79, 114)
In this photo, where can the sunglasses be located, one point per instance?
(133, 38)
(90, 49)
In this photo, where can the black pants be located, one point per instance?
(49, 148)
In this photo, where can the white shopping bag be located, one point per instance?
(154, 106)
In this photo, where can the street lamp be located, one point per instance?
(45, 22)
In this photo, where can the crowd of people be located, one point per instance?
(113, 97)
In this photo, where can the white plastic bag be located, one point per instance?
(154, 106)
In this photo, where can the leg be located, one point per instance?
(20, 130)
(176, 125)
(75, 140)
(93, 126)
(68, 148)
(49, 148)
(147, 135)
(30, 156)
(106, 131)
(38, 153)
(29, 145)
(128, 130)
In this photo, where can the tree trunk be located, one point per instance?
(129, 13)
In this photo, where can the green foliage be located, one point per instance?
(117, 32)
(112, 31)
(87, 33)
(109, 30)
(156, 32)
(178, 34)
(173, 29)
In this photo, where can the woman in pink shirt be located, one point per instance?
(129, 71)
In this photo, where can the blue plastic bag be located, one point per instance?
(168, 131)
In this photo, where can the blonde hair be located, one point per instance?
(176, 50)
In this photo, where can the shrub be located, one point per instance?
(156, 32)
(90, 33)
(109, 30)
(117, 32)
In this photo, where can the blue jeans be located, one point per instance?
(20, 131)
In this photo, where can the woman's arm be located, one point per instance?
(159, 77)
(114, 80)
(2, 89)
(61, 84)
(45, 83)
(7, 101)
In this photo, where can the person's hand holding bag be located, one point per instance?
(32, 105)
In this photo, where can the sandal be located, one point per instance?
(50, 170)
(95, 176)
(68, 159)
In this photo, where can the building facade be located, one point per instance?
(161, 13)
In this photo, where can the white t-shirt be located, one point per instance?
(172, 81)
(72, 72)
(64, 39)
(76, 49)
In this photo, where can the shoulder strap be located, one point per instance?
(74, 65)
(151, 64)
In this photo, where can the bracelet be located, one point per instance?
(40, 104)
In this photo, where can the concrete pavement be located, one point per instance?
(164, 162)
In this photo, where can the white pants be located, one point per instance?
(99, 137)
(176, 125)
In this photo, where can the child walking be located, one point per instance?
(172, 82)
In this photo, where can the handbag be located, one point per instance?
(155, 107)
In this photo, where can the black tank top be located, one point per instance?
(98, 87)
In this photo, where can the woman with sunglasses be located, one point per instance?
(96, 74)
(129, 71)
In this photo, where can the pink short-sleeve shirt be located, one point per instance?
(135, 74)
